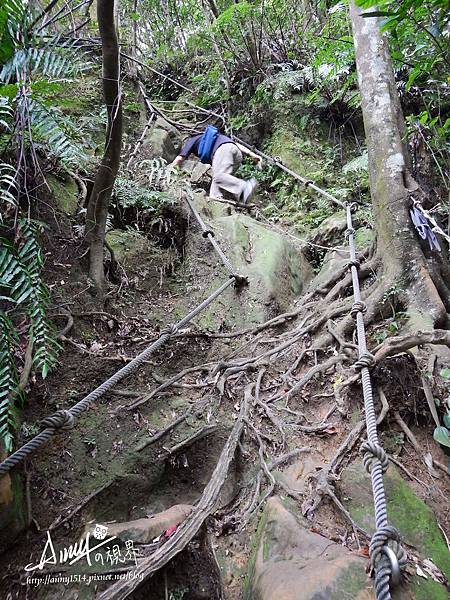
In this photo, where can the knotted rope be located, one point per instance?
(386, 553)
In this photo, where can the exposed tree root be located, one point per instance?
(397, 344)
(189, 528)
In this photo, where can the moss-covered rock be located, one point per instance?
(65, 193)
(276, 269)
(291, 563)
(162, 140)
(414, 520)
(127, 244)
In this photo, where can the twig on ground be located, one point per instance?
(195, 437)
(58, 521)
(167, 384)
(415, 444)
(405, 470)
(163, 432)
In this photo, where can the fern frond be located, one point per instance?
(49, 129)
(46, 346)
(22, 287)
(6, 113)
(8, 187)
(128, 193)
(360, 163)
(9, 381)
(55, 60)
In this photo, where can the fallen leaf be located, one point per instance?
(330, 430)
(95, 347)
(169, 532)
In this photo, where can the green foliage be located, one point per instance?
(129, 194)
(8, 187)
(360, 163)
(53, 61)
(8, 379)
(56, 134)
(441, 436)
(12, 13)
(20, 277)
(22, 292)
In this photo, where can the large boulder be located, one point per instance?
(292, 563)
(276, 269)
(162, 140)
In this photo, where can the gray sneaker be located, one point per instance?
(250, 188)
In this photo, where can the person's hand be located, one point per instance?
(176, 163)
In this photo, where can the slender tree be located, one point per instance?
(99, 200)
(403, 266)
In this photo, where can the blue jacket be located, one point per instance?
(191, 145)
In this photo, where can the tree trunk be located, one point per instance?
(391, 185)
(97, 210)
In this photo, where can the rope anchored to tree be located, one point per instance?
(386, 553)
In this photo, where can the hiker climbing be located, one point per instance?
(225, 156)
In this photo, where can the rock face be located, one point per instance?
(414, 520)
(163, 140)
(291, 563)
(276, 268)
(65, 193)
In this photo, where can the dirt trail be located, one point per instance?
(97, 474)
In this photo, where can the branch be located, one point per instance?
(189, 528)
(397, 344)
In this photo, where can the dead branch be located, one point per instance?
(68, 326)
(166, 384)
(58, 521)
(195, 437)
(415, 444)
(397, 344)
(27, 367)
(163, 432)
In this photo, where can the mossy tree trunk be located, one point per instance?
(402, 260)
(100, 198)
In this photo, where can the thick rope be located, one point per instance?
(65, 419)
(375, 459)
(209, 234)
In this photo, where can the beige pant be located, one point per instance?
(226, 159)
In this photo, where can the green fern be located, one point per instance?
(22, 287)
(128, 193)
(8, 187)
(52, 64)
(360, 163)
(55, 134)
(8, 381)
